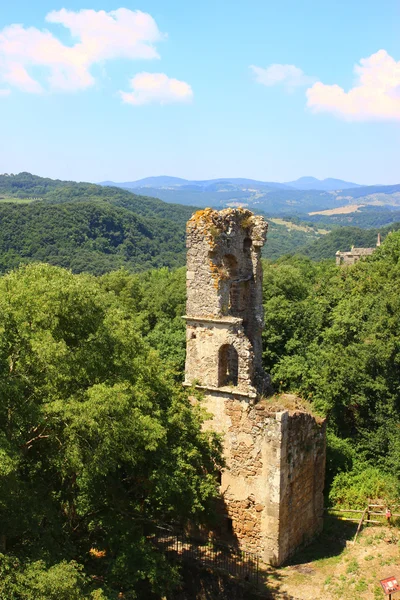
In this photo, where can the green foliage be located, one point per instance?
(97, 229)
(158, 301)
(283, 241)
(343, 238)
(32, 187)
(98, 442)
(33, 581)
(366, 217)
(88, 227)
(356, 488)
(332, 335)
(87, 236)
(340, 456)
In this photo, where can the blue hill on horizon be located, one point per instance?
(303, 183)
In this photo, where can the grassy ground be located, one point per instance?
(334, 568)
(340, 210)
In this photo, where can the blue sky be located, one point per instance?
(260, 89)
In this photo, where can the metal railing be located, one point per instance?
(213, 555)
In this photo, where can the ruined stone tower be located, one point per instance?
(274, 449)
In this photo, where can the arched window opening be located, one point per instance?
(228, 366)
(247, 244)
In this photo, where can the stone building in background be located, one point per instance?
(349, 258)
(272, 486)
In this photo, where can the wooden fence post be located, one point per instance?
(360, 524)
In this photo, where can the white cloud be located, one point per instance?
(99, 36)
(287, 75)
(156, 88)
(4, 93)
(376, 95)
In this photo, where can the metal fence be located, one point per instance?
(213, 555)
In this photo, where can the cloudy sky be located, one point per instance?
(218, 88)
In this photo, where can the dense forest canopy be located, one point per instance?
(98, 444)
(27, 186)
(332, 335)
(90, 236)
(343, 238)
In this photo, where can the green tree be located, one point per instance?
(335, 340)
(98, 444)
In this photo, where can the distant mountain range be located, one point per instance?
(166, 182)
(305, 196)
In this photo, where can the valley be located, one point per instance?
(304, 196)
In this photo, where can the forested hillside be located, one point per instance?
(27, 186)
(365, 217)
(296, 198)
(91, 236)
(332, 335)
(97, 229)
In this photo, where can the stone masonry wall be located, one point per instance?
(355, 254)
(273, 486)
(204, 339)
(303, 475)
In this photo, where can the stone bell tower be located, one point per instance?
(275, 458)
(224, 302)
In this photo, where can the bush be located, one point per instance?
(34, 581)
(355, 488)
(339, 456)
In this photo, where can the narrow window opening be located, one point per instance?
(234, 298)
(228, 366)
(229, 526)
(239, 297)
(247, 244)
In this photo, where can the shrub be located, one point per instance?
(355, 488)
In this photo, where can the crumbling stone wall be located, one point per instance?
(272, 486)
(206, 340)
(224, 279)
(303, 471)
